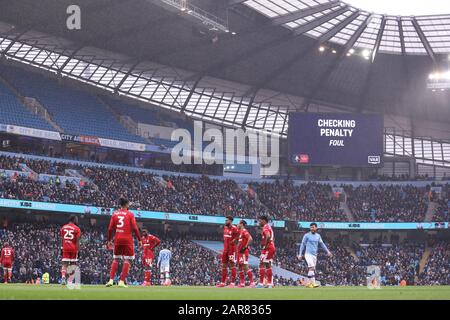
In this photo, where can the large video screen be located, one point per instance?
(335, 139)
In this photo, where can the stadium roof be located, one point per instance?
(252, 79)
(374, 31)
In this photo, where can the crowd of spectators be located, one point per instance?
(399, 177)
(308, 202)
(397, 262)
(102, 185)
(37, 250)
(341, 269)
(442, 213)
(387, 203)
(437, 269)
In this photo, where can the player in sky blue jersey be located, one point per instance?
(310, 245)
(164, 266)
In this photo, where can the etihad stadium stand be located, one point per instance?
(75, 111)
(13, 112)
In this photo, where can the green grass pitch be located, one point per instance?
(57, 292)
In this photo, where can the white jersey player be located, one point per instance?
(310, 244)
(164, 266)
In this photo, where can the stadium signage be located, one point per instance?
(92, 210)
(121, 144)
(80, 139)
(335, 139)
(377, 225)
(83, 139)
(31, 132)
(109, 143)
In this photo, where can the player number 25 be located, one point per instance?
(68, 234)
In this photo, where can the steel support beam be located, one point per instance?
(318, 22)
(424, 41)
(325, 75)
(304, 13)
(365, 89)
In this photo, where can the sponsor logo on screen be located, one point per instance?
(374, 160)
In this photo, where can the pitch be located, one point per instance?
(57, 292)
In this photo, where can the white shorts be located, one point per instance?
(164, 268)
(311, 260)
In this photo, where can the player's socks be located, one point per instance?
(63, 276)
(250, 276)
(262, 275)
(148, 276)
(5, 278)
(125, 269)
(233, 275)
(241, 277)
(113, 271)
(269, 276)
(224, 275)
(312, 277)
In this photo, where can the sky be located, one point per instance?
(403, 7)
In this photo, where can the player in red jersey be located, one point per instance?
(230, 237)
(245, 239)
(267, 254)
(124, 225)
(149, 243)
(70, 244)
(6, 261)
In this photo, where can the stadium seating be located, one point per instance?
(135, 112)
(75, 111)
(310, 202)
(207, 196)
(148, 116)
(387, 203)
(442, 213)
(13, 112)
(437, 269)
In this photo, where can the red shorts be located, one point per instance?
(267, 255)
(147, 259)
(229, 256)
(242, 258)
(70, 256)
(7, 265)
(124, 251)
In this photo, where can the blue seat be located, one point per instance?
(75, 111)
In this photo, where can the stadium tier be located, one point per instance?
(102, 186)
(388, 203)
(13, 112)
(145, 115)
(76, 112)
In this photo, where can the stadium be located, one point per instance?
(225, 150)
